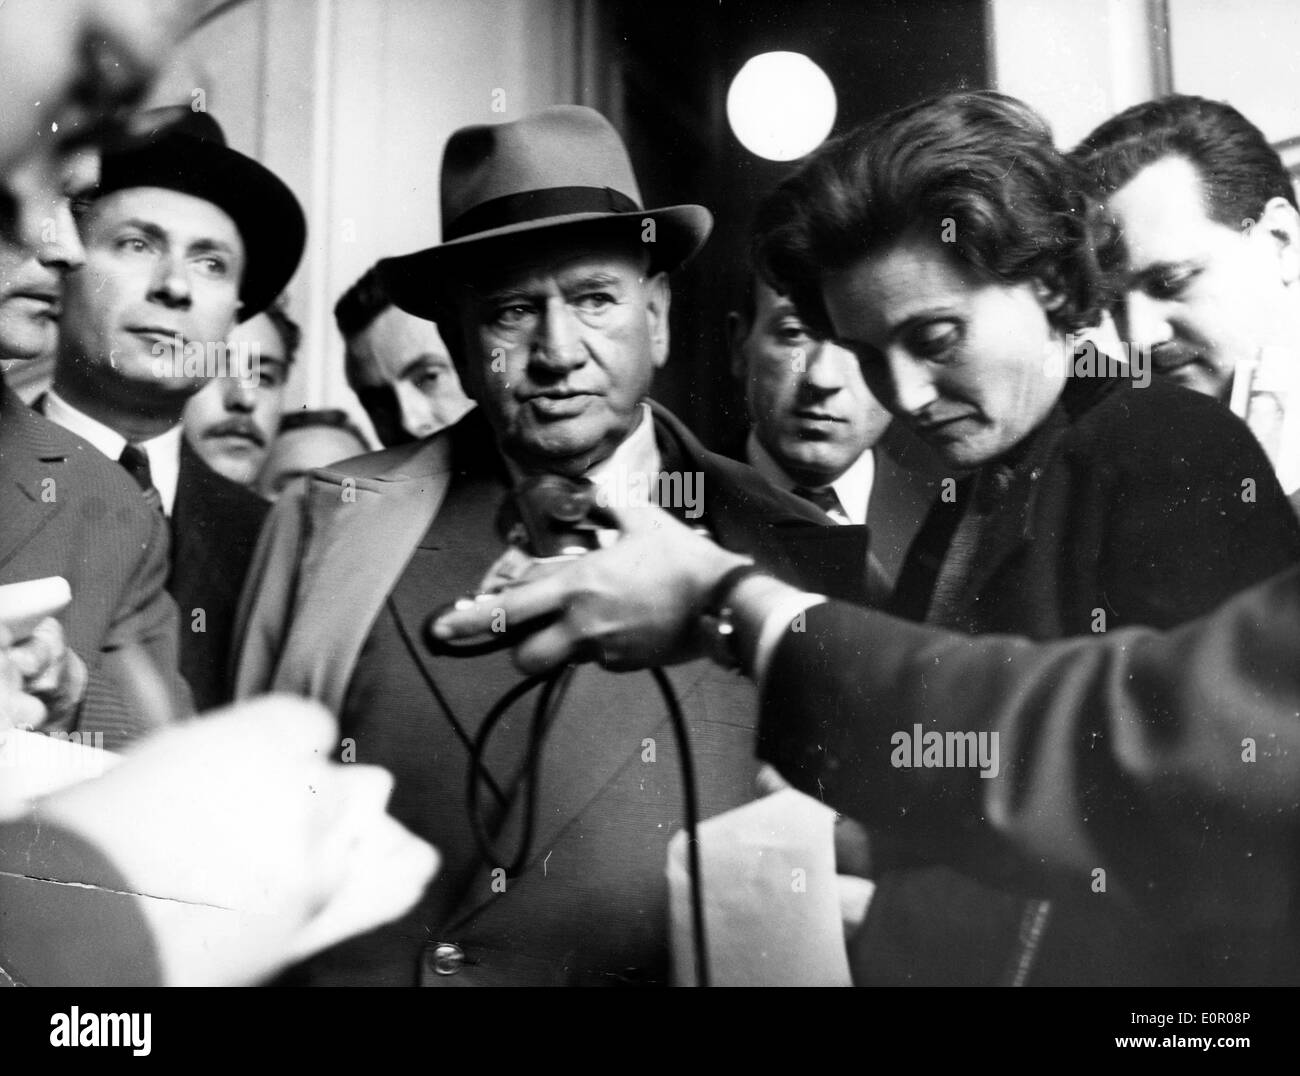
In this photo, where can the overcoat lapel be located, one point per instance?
(352, 564)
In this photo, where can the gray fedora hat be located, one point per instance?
(562, 167)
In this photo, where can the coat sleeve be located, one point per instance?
(145, 620)
(266, 606)
(69, 917)
(1169, 760)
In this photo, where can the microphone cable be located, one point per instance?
(552, 687)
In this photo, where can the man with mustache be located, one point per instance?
(232, 421)
(185, 238)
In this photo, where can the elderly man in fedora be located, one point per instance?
(550, 288)
(185, 238)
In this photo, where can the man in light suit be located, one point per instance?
(551, 290)
(185, 238)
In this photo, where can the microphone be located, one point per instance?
(546, 521)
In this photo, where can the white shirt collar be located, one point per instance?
(853, 487)
(637, 453)
(164, 451)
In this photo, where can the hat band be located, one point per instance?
(537, 205)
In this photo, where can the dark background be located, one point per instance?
(672, 64)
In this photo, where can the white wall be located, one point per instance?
(1076, 61)
(1245, 54)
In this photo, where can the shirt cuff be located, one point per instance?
(775, 623)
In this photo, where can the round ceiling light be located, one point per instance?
(781, 105)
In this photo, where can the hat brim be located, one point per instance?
(418, 283)
(264, 210)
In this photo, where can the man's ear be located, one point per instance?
(737, 331)
(1280, 223)
(658, 301)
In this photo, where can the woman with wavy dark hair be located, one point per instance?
(950, 247)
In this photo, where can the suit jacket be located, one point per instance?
(1127, 506)
(379, 549)
(214, 526)
(70, 511)
(906, 483)
(1169, 760)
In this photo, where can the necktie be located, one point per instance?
(136, 461)
(825, 499)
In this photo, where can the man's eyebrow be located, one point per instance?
(596, 279)
(205, 246)
(1163, 268)
(152, 230)
(500, 296)
(429, 358)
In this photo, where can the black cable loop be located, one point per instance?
(553, 686)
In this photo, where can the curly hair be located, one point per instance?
(1239, 171)
(975, 169)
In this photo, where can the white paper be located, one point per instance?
(772, 912)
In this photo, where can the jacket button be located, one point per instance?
(444, 958)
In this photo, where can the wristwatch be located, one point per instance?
(718, 622)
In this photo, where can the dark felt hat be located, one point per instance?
(183, 150)
(563, 167)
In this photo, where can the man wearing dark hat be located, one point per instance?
(56, 520)
(551, 291)
(185, 238)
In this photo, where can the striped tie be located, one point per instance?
(825, 499)
(136, 461)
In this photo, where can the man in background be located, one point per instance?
(397, 365)
(233, 421)
(185, 238)
(817, 431)
(307, 440)
(1208, 257)
(69, 512)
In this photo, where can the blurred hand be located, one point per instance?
(250, 850)
(18, 709)
(50, 671)
(632, 605)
